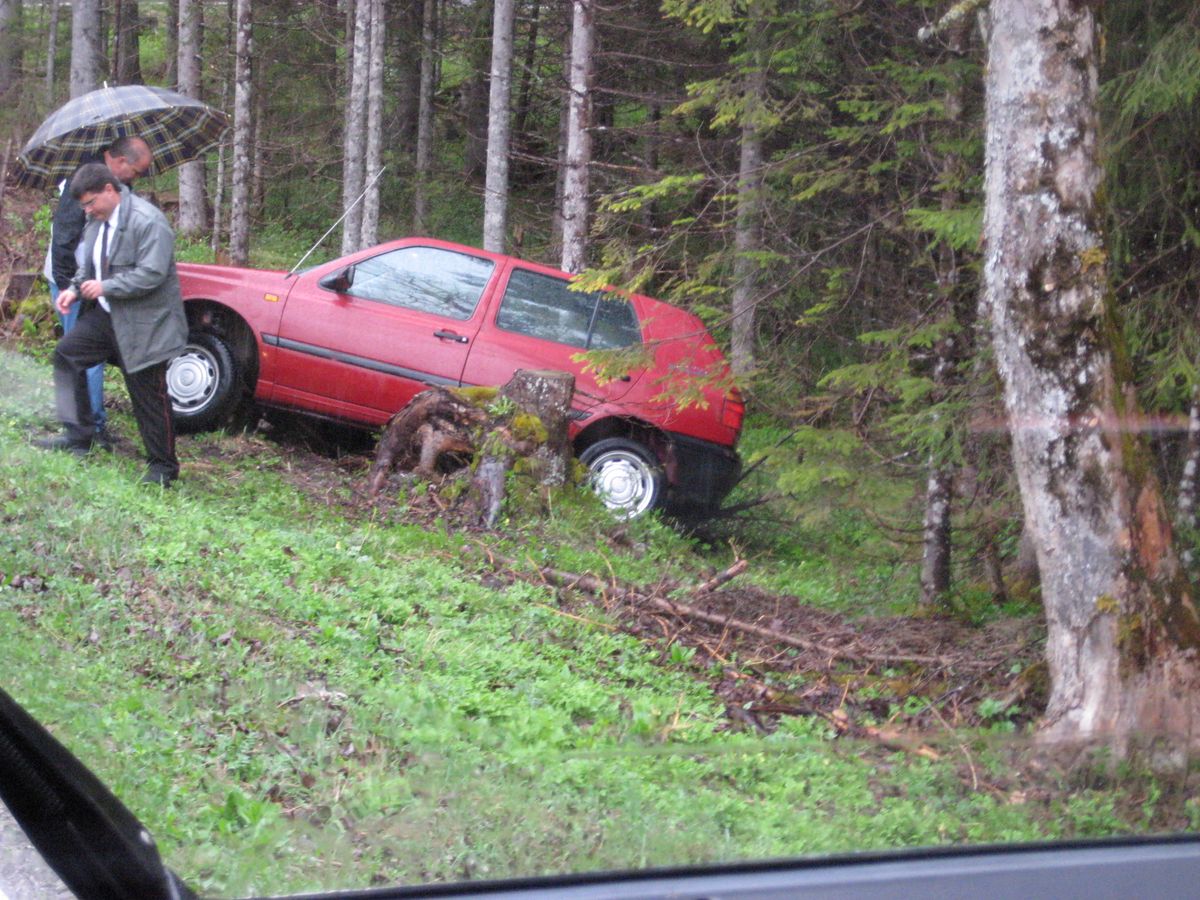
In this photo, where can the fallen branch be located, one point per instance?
(600, 587)
(683, 609)
(723, 577)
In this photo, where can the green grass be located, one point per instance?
(293, 698)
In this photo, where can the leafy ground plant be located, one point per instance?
(297, 692)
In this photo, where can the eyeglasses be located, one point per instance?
(86, 204)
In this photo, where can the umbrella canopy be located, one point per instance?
(177, 128)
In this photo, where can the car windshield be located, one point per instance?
(715, 432)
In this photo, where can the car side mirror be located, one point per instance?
(339, 281)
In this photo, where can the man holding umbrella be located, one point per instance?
(131, 315)
(128, 158)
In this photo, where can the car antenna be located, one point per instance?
(336, 224)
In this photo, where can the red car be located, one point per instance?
(355, 339)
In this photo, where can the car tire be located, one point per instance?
(625, 475)
(204, 384)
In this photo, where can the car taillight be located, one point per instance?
(733, 412)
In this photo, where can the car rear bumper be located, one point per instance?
(700, 473)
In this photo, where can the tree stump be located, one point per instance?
(437, 426)
(443, 429)
(546, 394)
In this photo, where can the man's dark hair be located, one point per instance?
(91, 179)
(130, 147)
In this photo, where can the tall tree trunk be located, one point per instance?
(575, 207)
(192, 217)
(243, 135)
(1186, 510)
(424, 161)
(11, 43)
(258, 156)
(406, 66)
(51, 50)
(219, 191)
(748, 233)
(127, 61)
(353, 145)
(171, 76)
(939, 495)
(473, 94)
(560, 168)
(85, 46)
(373, 159)
(1122, 627)
(495, 195)
(525, 94)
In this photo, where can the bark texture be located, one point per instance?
(424, 156)
(126, 56)
(85, 46)
(243, 129)
(937, 543)
(1122, 628)
(748, 236)
(495, 198)
(193, 215)
(354, 146)
(10, 44)
(51, 48)
(575, 207)
(442, 430)
(373, 160)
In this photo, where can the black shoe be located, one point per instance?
(64, 444)
(158, 477)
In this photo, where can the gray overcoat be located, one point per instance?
(142, 287)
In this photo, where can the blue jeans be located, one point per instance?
(95, 375)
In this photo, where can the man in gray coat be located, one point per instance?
(132, 316)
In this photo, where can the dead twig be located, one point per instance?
(594, 585)
(723, 577)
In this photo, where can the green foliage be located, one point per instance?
(959, 228)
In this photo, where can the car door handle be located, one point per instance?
(444, 335)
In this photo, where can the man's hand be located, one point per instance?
(64, 301)
(92, 289)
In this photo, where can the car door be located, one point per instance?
(400, 320)
(540, 323)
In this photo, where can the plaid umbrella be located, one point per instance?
(177, 128)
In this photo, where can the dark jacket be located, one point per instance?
(65, 234)
(142, 287)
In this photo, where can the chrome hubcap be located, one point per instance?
(192, 379)
(623, 482)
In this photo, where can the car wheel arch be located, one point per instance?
(216, 318)
(653, 439)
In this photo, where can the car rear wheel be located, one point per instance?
(203, 383)
(625, 475)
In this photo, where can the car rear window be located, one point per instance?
(545, 307)
(424, 278)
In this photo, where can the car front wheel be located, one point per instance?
(625, 475)
(202, 383)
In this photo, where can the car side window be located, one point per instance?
(545, 307)
(423, 278)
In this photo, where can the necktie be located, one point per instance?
(103, 264)
(104, 251)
